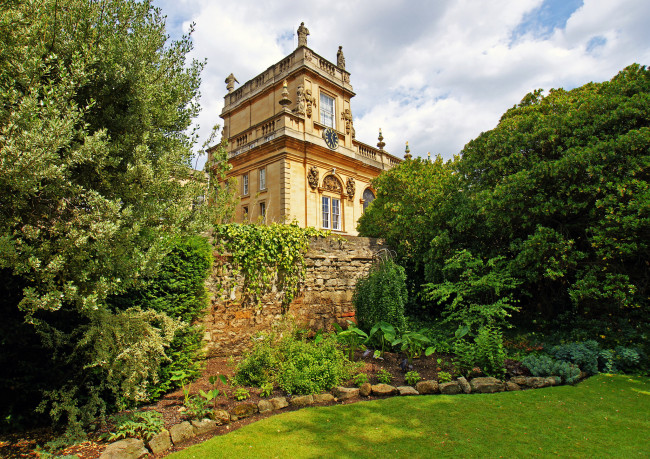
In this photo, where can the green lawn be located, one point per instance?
(605, 416)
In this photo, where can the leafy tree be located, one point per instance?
(95, 184)
(412, 211)
(557, 192)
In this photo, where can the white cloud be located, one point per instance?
(433, 73)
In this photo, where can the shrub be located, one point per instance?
(360, 379)
(620, 359)
(413, 344)
(267, 390)
(178, 290)
(381, 295)
(352, 338)
(444, 376)
(584, 355)
(544, 365)
(412, 377)
(241, 393)
(384, 376)
(295, 365)
(143, 425)
(486, 352)
(198, 408)
(257, 366)
(308, 368)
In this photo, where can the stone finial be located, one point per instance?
(285, 95)
(407, 152)
(381, 144)
(340, 58)
(230, 82)
(302, 35)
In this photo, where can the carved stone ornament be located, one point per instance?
(300, 100)
(350, 187)
(349, 122)
(312, 176)
(331, 183)
(311, 102)
(230, 83)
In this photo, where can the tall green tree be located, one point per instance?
(557, 193)
(95, 184)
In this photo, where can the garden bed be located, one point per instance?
(171, 406)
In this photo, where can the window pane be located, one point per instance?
(368, 197)
(263, 210)
(262, 179)
(245, 180)
(326, 110)
(336, 214)
(326, 212)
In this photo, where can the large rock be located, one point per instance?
(323, 398)
(450, 388)
(487, 385)
(407, 390)
(302, 400)
(464, 385)
(345, 393)
(427, 387)
(365, 390)
(221, 417)
(160, 442)
(279, 403)
(534, 382)
(383, 389)
(510, 386)
(264, 405)
(203, 426)
(129, 448)
(243, 410)
(181, 432)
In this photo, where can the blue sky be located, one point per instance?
(435, 73)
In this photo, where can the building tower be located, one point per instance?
(292, 145)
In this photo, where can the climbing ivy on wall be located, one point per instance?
(267, 256)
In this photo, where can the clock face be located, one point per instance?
(331, 138)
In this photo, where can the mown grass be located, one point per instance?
(605, 416)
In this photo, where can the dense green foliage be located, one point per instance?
(544, 365)
(94, 109)
(485, 352)
(178, 290)
(381, 295)
(550, 209)
(33, 368)
(267, 255)
(142, 424)
(296, 365)
(600, 417)
(95, 189)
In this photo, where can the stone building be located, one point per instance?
(292, 145)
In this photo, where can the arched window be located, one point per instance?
(368, 197)
(331, 203)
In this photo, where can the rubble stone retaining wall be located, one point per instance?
(333, 266)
